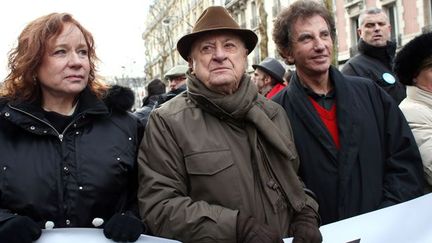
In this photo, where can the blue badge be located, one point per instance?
(388, 78)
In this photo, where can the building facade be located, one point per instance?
(168, 20)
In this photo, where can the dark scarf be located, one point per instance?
(383, 53)
(241, 108)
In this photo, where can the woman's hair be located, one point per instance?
(25, 59)
(282, 31)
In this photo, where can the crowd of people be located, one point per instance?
(215, 154)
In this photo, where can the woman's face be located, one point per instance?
(424, 79)
(65, 66)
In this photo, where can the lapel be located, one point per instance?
(309, 117)
(349, 118)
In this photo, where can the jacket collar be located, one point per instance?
(346, 104)
(420, 95)
(88, 103)
(384, 54)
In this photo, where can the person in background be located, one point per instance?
(356, 150)
(287, 76)
(217, 162)
(376, 53)
(268, 77)
(176, 77)
(413, 66)
(67, 145)
(155, 89)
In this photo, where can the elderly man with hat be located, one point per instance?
(413, 66)
(218, 162)
(269, 77)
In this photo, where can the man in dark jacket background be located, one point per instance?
(356, 150)
(155, 90)
(376, 53)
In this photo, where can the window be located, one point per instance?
(354, 22)
(392, 14)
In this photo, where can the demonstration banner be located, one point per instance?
(408, 222)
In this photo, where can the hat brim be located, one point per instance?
(270, 72)
(185, 43)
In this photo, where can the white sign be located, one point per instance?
(408, 222)
(87, 235)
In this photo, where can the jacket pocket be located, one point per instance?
(208, 163)
(213, 177)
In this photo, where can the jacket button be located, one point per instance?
(66, 169)
(77, 133)
(7, 114)
(68, 222)
(130, 139)
(80, 188)
(4, 167)
(32, 128)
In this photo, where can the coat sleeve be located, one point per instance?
(163, 198)
(403, 172)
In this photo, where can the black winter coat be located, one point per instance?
(376, 63)
(378, 163)
(71, 176)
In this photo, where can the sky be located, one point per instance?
(116, 25)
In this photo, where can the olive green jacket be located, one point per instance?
(196, 172)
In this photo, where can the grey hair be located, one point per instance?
(370, 11)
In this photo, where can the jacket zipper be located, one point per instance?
(59, 135)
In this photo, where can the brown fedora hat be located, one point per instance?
(215, 18)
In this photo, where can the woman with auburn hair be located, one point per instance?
(68, 144)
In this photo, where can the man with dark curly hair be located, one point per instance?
(356, 150)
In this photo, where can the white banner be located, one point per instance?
(408, 222)
(88, 235)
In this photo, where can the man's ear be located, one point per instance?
(267, 79)
(289, 58)
(359, 32)
(190, 63)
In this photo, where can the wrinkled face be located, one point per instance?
(65, 66)
(375, 30)
(260, 79)
(219, 60)
(176, 82)
(312, 46)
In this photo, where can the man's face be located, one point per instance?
(219, 59)
(375, 30)
(312, 46)
(260, 79)
(176, 81)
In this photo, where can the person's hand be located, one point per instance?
(305, 227)
(123, 227)
(19, 229)
(251, 231)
